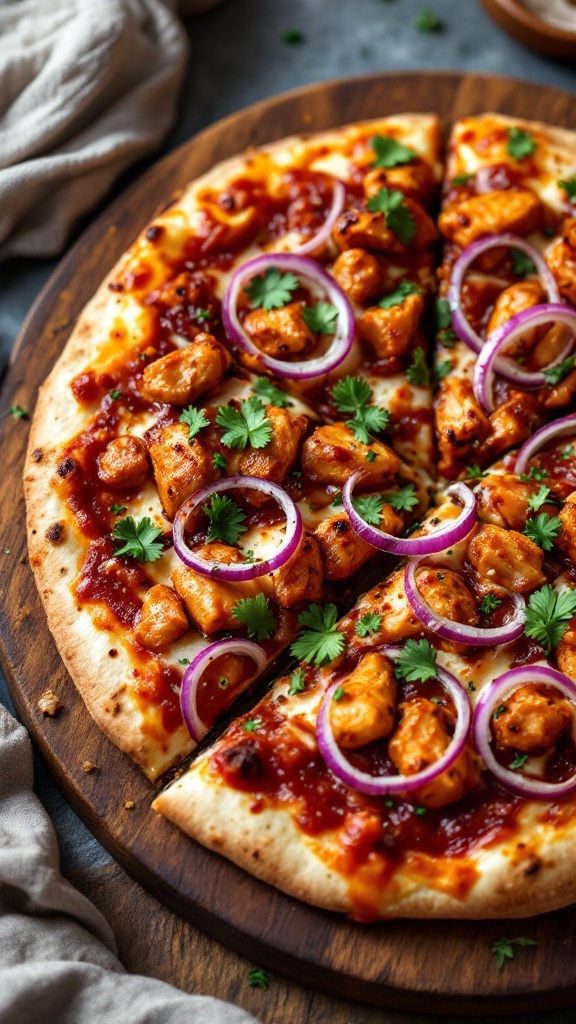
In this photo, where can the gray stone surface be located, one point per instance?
(238, 56)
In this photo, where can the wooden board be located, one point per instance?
(446, 967)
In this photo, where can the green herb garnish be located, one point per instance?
(249, 425)
(391, 203)
(141, 539)
(320, 641)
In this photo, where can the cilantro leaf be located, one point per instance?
(397, 215)
(297, 682)
(269, 394)
(372, 419)
(201, 315)
(321, 318)
(554, 374)
(218, 461)
(249, 425)
(427, 21)
(195, 419)
(250, 726)
(116, 509)
(320, 641)
(396, 298)
(369, 506)
(369, 623)
(338, 693)
(489, 603)
(462, 179)
(259, 978)
(418, 373)
(256, 615)
(441, 370)
(520, 143)
(474, 472)
(519, 761)
(141, 539)
(389, 152)
(543, 530)
(540, 498)
(402, 500)
(352, 395)
(226, 519)
(416, 662)
(521, 263)
(548, 614)
(443, 314)
(272, 289)
(569, 187)
(18, 412)
(503, 948)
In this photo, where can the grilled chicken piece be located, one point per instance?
(209, 601)
(301, 577)
(506, 558)
(365, 712)
(276, 459)
(359, 274)
(519, 211)
(162, 619)
(184, 290)
(533, 719)
(390, 331)
(460, 423)
(364, 229)
(420, 739)
(510, 424)
(446, 592)
(331, 454)
(181, 376)
(512, 300)
(280, 332)
(180, 466)
(343, 551)
(567, 536)
(562, 261)
(397, 620)
(123, 463)
(503, 500)
(414, 179)
(566, 651)
(563, 393)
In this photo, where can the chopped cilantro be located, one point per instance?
(369, 507)
(321, 318)
(297, 682)
(521, 263)
(250, 726)
(427, 21)
(554, 374)
(195, 419)
(462, 179)
(443, 314)
(250, 425)
(441, 370)
(141, 539)
(353, 395)
(503, 948)
(320, 641)
(201, 315)
(499, 711)
(420, 811)
(391, 203)
(567, 453)
(418, 373)
(474, 472)
(396, 298)
(548, 614)
(256, 615)
(543, 530)
(534, 474)
(18, 412)
(226, 519)
(489, 603)
(370, 456)
(369, 623)
(117, 509)
(402, 500)
(183, 661)
(115, 394)
(337, 499)
(272, 289)
(569, 187)
(338, 693)
(448, 337)
(520, 143)
(540, 498)
(389, 152)
(416, 662)
(269, 394)
(218, 461)
(471, 686)
(519, 761)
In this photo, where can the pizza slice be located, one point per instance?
(506, 317)
(421, 759)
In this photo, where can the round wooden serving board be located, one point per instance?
(424, 966)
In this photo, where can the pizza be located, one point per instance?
(315, 427)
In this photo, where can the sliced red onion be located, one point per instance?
(459, 322)
(559, 428)
(193, 677)
(323, 234)
(315, 277)
(237, 572)
(391, 785)
(494, 694)
(459, 631)
(487, 362)
(442, 538)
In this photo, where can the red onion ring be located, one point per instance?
(312, 274)
(323, 234)
(392, 784)
(458, 631)
(459, 322)
(559, 428)
(495, 693)
(441, 539)
(193, 676)
(485, 366)
(237, 572)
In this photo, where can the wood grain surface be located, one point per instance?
(425, 966)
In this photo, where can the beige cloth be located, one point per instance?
(86, 87)
(57, 952)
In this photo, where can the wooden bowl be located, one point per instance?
(530, 30)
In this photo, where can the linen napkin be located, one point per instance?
(86, 87)
(57, 952)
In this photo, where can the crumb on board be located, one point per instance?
(49, 703)
(129, 804)
(88, 766)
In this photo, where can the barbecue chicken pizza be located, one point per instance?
(336, 377)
